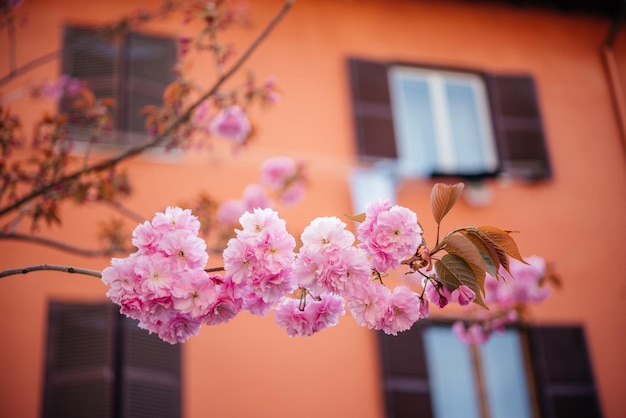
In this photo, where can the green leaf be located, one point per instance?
(357, 218)
(442, 199)
(453, 271)
(503, 240)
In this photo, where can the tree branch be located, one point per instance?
(62, 246)
(157, 140)
(50, 267)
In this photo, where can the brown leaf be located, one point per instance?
(503, 239)
(453, 271)
(443, 197)
(489, 254)
(357, 218)
(465, 248)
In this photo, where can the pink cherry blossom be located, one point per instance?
(163, 284)
(463, 295)
(436, 293)
(389, 234)
(368, 303)
(261, 255)
(175, 218)
(228, 304)
(231, 123)
(402, 311)
(289, 317)
(315, 316)
(230, 211)
(326, 234)
(284, 175)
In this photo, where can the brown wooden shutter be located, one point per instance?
(373, 117)
(563, 372)
(150, 385)
(149, 70)
(405, 374)
(518, 127)
(100, 364)
(90, 58)
(79, 365)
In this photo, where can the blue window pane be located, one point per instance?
(505, 378)
(451, 375)
(469, 150)
(415, 126)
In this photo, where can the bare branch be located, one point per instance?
(64, 247)
(50, 267)
(157, 140)
(126, 212)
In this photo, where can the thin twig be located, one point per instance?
(63, 246)
(127, 212)
(50, 267)
(131, 152)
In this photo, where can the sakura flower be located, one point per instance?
(179, 329)
(326, 234)
(254, 197)
(284, 175)
(436, 293)
(175, 218)
(289, 316)
(368, 304)
(194, 294)
(228, 304)
(231, 123)
(325, 312)
(463, 295)
(402, 311)
(261, 255)
(230, 211)
(145, 236)
(163, 283)
(389, 234)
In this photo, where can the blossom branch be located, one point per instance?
(158, 139)
(50, 267)
(64, 247)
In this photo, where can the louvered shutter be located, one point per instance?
(563, 372)
(149, 70)
(373, 118)
(405, 374)
(150, 374)
(92, 59)
(518, 127)
(79, 379)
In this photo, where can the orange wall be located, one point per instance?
(249, 367)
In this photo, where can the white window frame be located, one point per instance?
(411, 161)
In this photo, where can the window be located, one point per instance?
(443, 121)
(428, 373)
(100, 364)
(134, 71)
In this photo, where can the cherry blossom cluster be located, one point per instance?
(506, 297)
(166, 286)
(163, 284)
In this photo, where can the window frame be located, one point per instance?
(515, 118)
(124, 84)
(405, 375)
(118, 368)
(444, 143)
